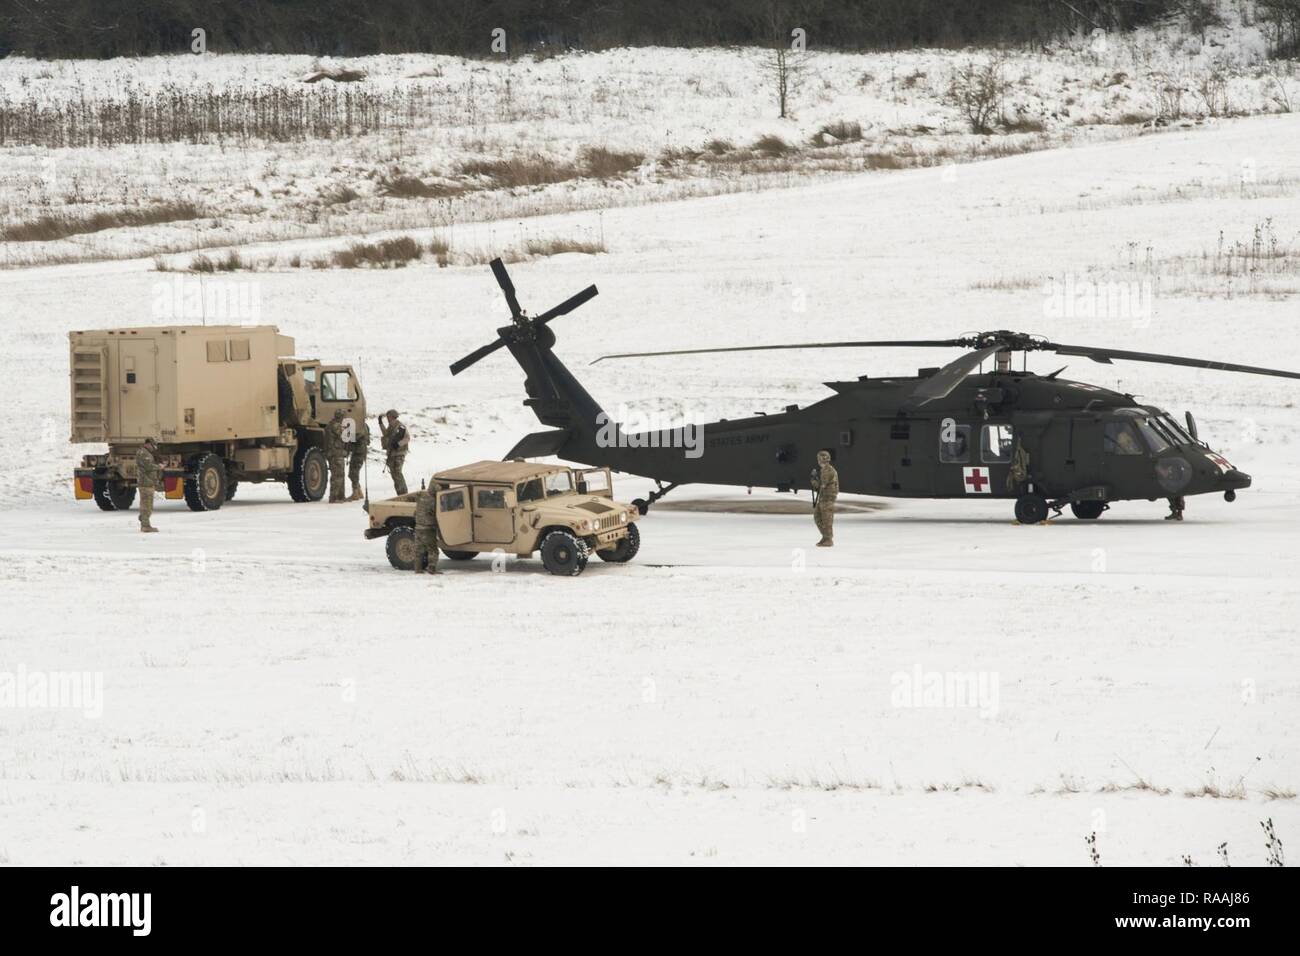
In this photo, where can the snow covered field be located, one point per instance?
(273, 692)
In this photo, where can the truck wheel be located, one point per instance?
(1031, 509)
(113, 495)
(1088, 510)
(564, 553)
(231, 488)
(310, 477)
(626, 548)
(206, 491)
(401, 548)
(459, 555)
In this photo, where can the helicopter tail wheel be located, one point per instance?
(1031, 509)
(1088, 510)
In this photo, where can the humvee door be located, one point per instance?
(594, 481)
(453, 517)
(494, 514)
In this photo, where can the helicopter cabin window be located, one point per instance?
(995, 444)
(558, 483)
(957, 451)
(336, 387)
(1120, 439)
(451, 501)
(491, 497)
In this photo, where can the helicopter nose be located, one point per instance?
(1232, 479)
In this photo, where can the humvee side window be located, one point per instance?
(1120, 439)
(336, 387)
(309, 375)
(595, 481)
(491, 498)
(452, 501)
(558, 483)
(956, 451)
(531, 490)
(995, 444)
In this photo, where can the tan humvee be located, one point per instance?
(517, 507)
(226, 404)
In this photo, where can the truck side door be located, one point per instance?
(338, 389)
(494, 514)
(454, 516)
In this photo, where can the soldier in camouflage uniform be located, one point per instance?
(826, 488)
(336, 454)
(147, 478)
(396, 440)
(357, 457)
(1019, 472)
(426, 531)
(1176, 506)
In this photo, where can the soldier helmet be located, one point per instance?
(823, 456)
(338, 414)
(151, 442)
(391, 413)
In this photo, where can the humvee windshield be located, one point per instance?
(548, 486)
(558, 483)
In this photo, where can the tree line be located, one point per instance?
(107, 28)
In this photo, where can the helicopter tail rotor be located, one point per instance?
(522, 326)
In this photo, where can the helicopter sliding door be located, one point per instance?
(974, 458)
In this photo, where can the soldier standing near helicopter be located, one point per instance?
(826, 488)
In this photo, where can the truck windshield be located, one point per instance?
(558, 483)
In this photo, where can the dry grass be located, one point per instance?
(409, 187)
(555, 247)
(384, 254)
(62, 225)
(602, 163)
(230, 262)
(770, 144)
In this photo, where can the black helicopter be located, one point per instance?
(946, 432)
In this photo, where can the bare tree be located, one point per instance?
(785, 56)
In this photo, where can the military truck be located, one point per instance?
(518, 507)
(226, 403)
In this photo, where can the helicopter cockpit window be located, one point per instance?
(530, 490)
(995, 444)
(1180, 435)
(1154, 439)
(1120, 439)
(558, 483)
(957, 451)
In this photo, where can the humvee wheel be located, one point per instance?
(1088, 510)
(459, 555)
(1031, 509)
(626, 548)
(113, 495)
(206, 491)
(564, 553)
(401, 548)
(310, 476)
(231, 488)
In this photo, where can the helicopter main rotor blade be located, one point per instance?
(918, 343)
(1104, 356)
(476, 355)
(942, 382)
(568, 305)
(508, 287)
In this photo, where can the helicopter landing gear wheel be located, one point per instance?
(1088, 510)
(1031, 509)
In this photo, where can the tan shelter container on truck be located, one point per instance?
(176, 383)
(227, 404)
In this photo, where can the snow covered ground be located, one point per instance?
(273, 692)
